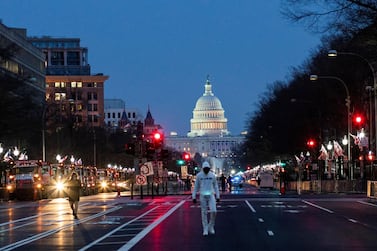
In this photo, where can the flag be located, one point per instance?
(297, 159)
(63, 159)
(338, 150)
(78, 162)
(8, 155)
(356, 139)
(323, 153)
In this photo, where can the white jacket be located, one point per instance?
(206, 184)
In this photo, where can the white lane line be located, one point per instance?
(260, 220)
(16, 227)
(250, 206)
(367, 203)
(319, 207)
(53, 231)
(270, 233)
(352, 220)
(143, 233)
(22, 219)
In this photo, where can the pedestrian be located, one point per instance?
(73, 191)
(206, 185)
(230, 183)
(223, 182)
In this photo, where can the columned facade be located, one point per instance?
(209, 136)
(208, 115)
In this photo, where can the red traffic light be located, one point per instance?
(310, 143)
(157, 136)
(186, 156)
(358, 119)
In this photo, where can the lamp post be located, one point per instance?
(348, 105)
(44, 133)
(333, 54)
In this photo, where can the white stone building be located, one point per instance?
(209, 135)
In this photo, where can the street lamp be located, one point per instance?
(335, 53)
(348, 104)
(58, 158)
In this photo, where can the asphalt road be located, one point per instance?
(247, 219)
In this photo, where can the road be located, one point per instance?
(247, 219)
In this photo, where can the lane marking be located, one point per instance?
(53, 231)
(270, 233)
(319, 207)
(143, 233)
(367, 203)
(260, 220)
(16, 227)
(352, 220)
(250, 206)
(22, 219)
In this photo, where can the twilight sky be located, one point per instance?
(158, 53)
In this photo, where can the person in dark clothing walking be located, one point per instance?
(223, 182)
(73, 191)
(230, 183)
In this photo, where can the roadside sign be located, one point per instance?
(146, 169)
(141, 180)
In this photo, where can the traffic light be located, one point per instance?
(311, 143)
(158, 139)
(186, 156)
(358, 120)
(180, 162)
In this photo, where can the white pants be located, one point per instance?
(208, 201)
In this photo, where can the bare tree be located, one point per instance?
(331, 16)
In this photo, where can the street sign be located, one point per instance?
(146, 169)
(141, 180)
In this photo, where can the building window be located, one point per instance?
(95, 107)
(60, 85)
(108, 115)
(73, 58)
(95, 96)
(113, 115)
(79, 107)
(60, 96)
(90, 107)
(57, 58)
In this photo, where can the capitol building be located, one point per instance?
(209, 136)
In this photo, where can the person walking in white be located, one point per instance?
(206, 185)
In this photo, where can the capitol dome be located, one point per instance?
(208, 115)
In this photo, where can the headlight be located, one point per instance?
(103, 184)
(9, 187)
(59, 186)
